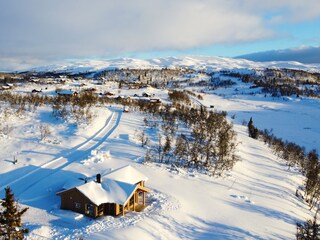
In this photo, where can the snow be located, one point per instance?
(108, 191)
(194, 62)
(256, 200)
(127, 174)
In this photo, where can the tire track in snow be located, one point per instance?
(77, 153)
(196, 101)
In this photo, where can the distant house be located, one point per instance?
(89, 90)
(146, 94)
(109, 94)
(118, 192)
(126, 109)
(155, 100)
(124, 98)
(36, 91)
(65, 92)
(7, 86)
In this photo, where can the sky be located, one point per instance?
(42, 32)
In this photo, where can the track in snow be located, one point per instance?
(80, 152)
(196, 101)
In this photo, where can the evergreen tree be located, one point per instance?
(167, 145)
(253, 131)
(10, 218)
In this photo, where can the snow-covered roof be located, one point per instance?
(127, 174)
(66, 92)
(107, 191)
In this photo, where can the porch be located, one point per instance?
(137, 201)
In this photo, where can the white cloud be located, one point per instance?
(101, 27)
(286, 10)
(47, 30)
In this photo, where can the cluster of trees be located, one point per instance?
(216, 83)
(158, 78)
(63, 106)
(76, 106)
(280, 87)
(210, 144)
(22, 102)
(179, 96)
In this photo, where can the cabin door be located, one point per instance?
(110, 209)
(89, 209)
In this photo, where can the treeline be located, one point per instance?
(278, 88)
(295, 155)
(309, 165)
(63, 106)
(22, 102)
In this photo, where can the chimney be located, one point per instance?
(98, 178)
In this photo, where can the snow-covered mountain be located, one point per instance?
(301, 54)
(198, 63)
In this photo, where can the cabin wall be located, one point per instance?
(118, 211)
(74, 200)
(110, 209)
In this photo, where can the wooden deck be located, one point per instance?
(140, 207)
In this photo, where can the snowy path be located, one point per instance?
(196, 101)
(80, 152)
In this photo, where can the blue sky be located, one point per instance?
(290, 35)
(37, 32)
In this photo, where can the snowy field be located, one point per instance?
(256, 200)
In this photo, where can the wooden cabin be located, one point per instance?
(118, 192)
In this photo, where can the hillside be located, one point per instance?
(197, 63)
(254, 200)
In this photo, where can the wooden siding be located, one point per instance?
(74, 200)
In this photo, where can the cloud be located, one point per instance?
(49, 29)
(301, 54)
(286, 10)
(38, 30)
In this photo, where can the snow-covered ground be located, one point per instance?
(256, 200)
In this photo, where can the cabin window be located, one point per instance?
(131, 201)
(140, 198)
(90, 209)
(77, 205)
